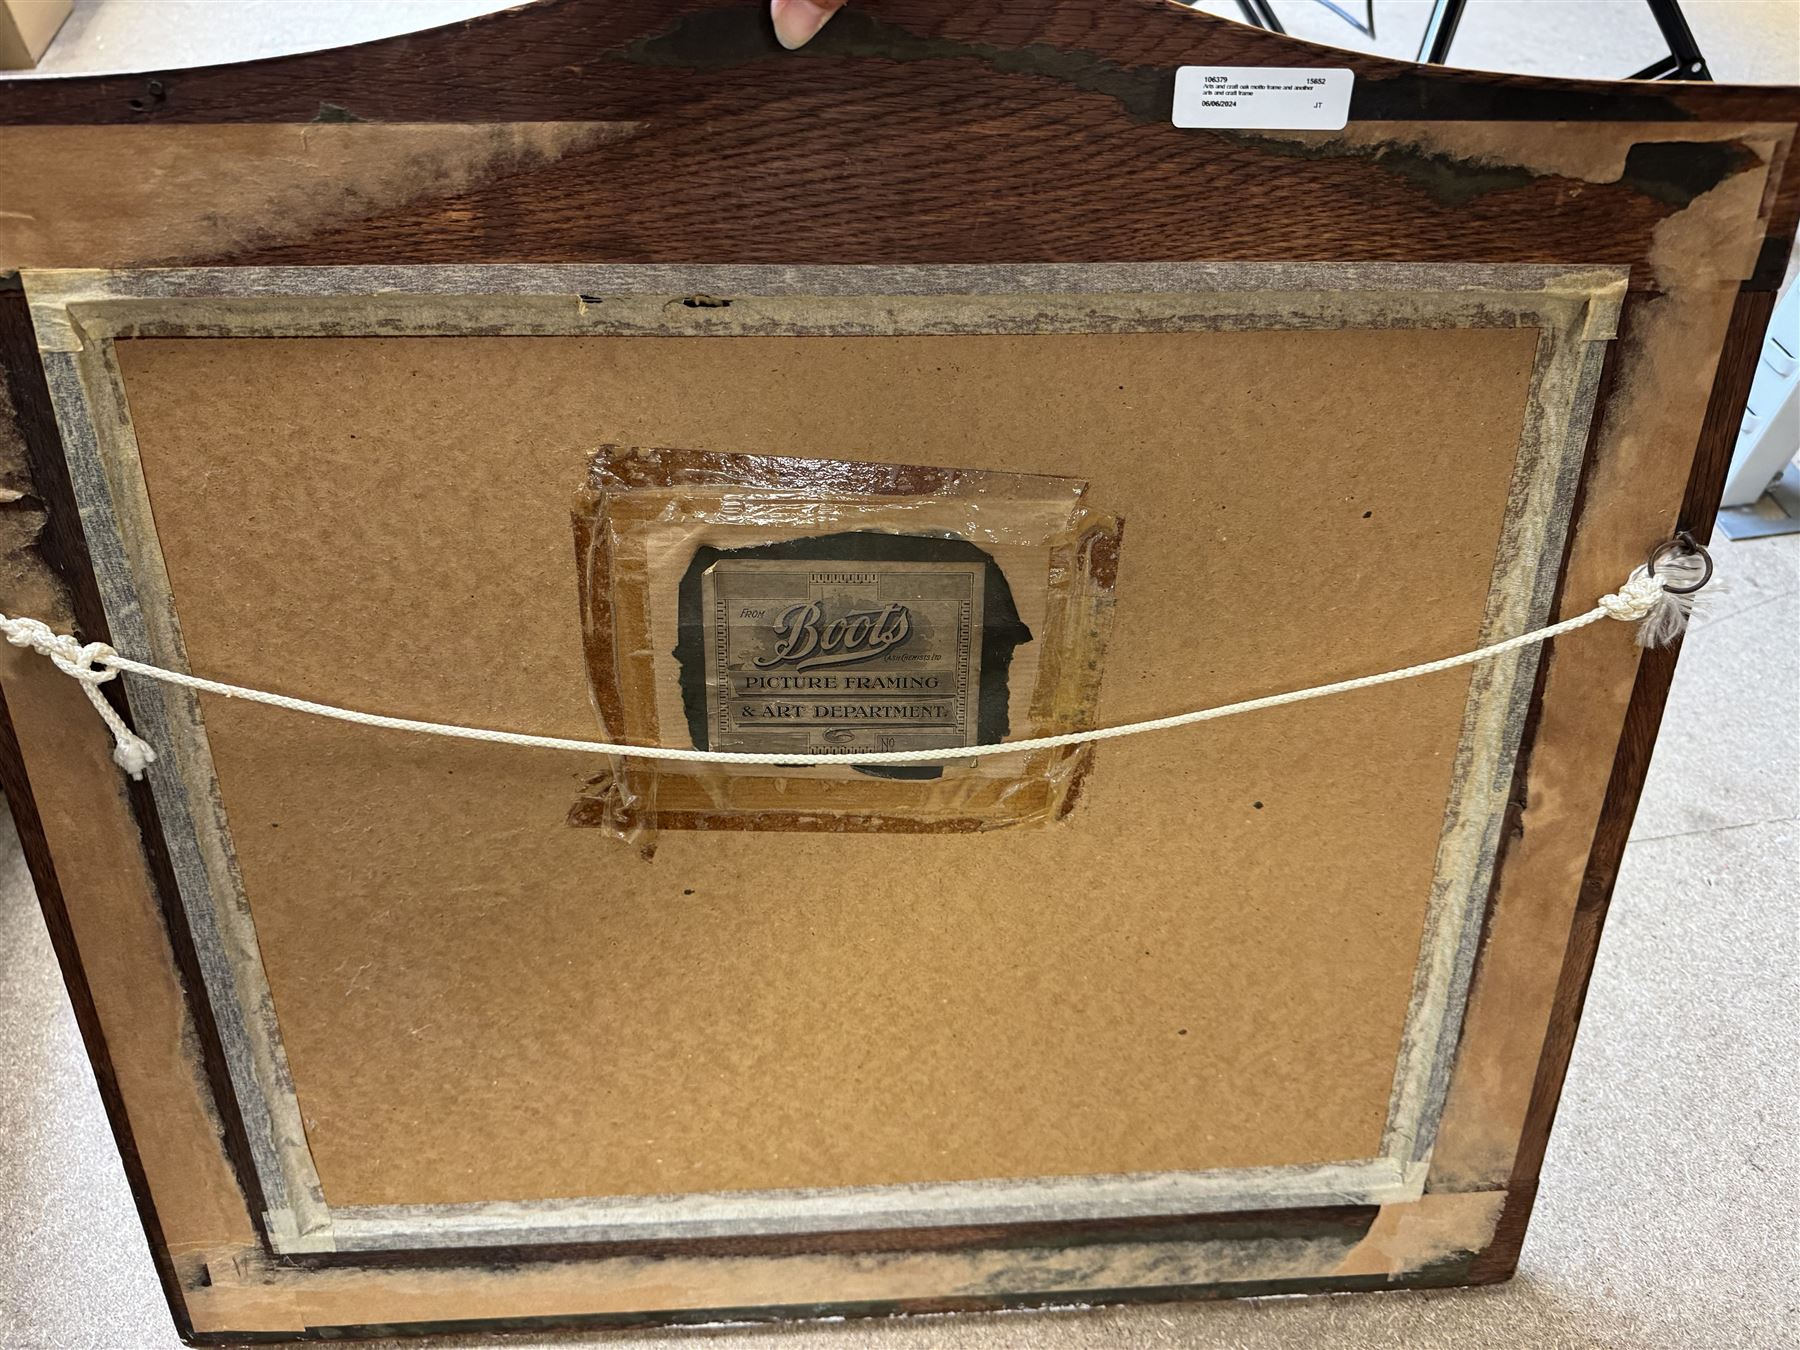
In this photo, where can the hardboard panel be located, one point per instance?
(1206, 965)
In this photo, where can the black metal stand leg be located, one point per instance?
(1262, 14)
(1684, 61)
(1440, 31)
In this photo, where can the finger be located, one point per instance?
(797, 20)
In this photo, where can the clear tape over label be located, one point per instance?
(1272, 98)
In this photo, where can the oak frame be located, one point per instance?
(1105, 66)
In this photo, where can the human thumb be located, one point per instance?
(797, 20)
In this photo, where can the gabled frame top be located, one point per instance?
(917, 135)
(579, 131)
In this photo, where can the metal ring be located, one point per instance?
(1687, 546)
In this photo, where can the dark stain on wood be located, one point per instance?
(1446, 179)
(1340, 1227)
(1677, 172)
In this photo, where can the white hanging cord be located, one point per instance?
(1658, 596)
(78, 661)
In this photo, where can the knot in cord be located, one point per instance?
(78, 661)
(1635, 599)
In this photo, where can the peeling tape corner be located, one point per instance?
(1436, 1227)
(1605, 299)
(286, 1234)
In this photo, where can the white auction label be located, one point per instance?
(1270, 98)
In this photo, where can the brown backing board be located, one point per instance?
(80, 314)
(668, 156)
(765, 1011)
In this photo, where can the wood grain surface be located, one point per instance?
(911, 131)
